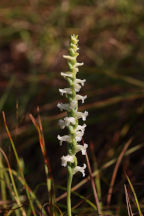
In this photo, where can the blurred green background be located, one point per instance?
(34, 35)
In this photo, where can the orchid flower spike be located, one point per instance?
(71, 121)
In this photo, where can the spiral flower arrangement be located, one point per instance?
(71, 121)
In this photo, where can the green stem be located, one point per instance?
(69, 183)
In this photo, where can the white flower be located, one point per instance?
(67, 107)
(65, 91)
(66, 74)
(79, 135)
(80, 169)
(78, 64)
(82, 115)
(72, 49)
(80, 97)
(81, 128)
(82, 148)
(65, 138)
(75, 70)
(66, 122)
(69, 57)
(66, 159)
(62, 106)
(80, 81)
(77, 83)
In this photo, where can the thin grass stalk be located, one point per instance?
(129, 208)
(18, 163)
(55, 206)
(135, 196)
(2, 180)
(93, 185)
(10, 188)
(13, 184)
(33, 196)
(116, 170)
(97, 177)
(48, 172)
(46, 161)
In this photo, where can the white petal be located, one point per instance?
(75, 70)
(66, 122)
(62, 106)
(78, 64)
(73, 49)
(61, 124)
(77, 87)
(81, 128)
(66, 159)
(80, 97)
(80, 169)
(77, 84)
(65, 138)
(69, 120)
(82, 115)
(82, 148)
(69, 57)
(80, 81)
(66, 74)
(79, 135)
(65, 91)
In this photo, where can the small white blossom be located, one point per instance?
(75, 70)
(65, 138)
(66, 122)
(67, 107)
(66, 74)
(81, 128)
(78, 64)
(69, 57)
(82, 148)
(66, 159)
(77, 83)
(80, 169)
(72, 49)
(80, 97)
(82, 115)
(65, 91)
(62, 106)
(80, 81)
(79, 135)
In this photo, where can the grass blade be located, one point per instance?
(135, 196)
(18, 163)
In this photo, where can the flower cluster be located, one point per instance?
(71, 121)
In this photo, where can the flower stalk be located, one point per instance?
(71, 121)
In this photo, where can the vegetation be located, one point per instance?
(33, 37)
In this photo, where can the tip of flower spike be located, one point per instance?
(74, 38)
